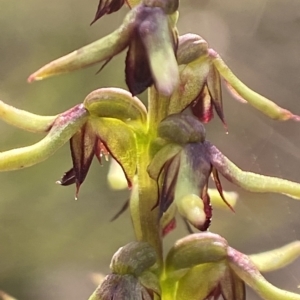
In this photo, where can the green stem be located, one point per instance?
(149, 218)
(157, 108)
(144, 216)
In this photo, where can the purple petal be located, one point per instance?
(219, 187)
(138, 74)
(82, 145)
(202, 106)
(215, 91)
(107, 7)
(68, 178)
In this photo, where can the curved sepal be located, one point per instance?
(115, 103)
(248, 272)
(276, 259)
(99, 51)
(120, 140)
(248, 180)
(63, 128)
(261, 103)
(25, 120)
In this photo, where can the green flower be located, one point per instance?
(203, 266)
(148, 31)
(184, 164)
(201, 71)
(105, 123)
(131, 276)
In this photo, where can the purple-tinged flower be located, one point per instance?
(182, 170)
(149, 33)
(183, 165)
(199, 265)
(131, 277)
(201, 70)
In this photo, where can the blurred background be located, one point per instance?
(50, 244)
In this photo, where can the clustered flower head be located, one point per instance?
(164, 155)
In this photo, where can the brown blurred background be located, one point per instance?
(50, 243)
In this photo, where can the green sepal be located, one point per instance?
(278, 258)
(63, 128)
(120, 141)
(25, 120)
(115, 103)
(99, 51)
(248, 180)
(258, 101)
(242, 265)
